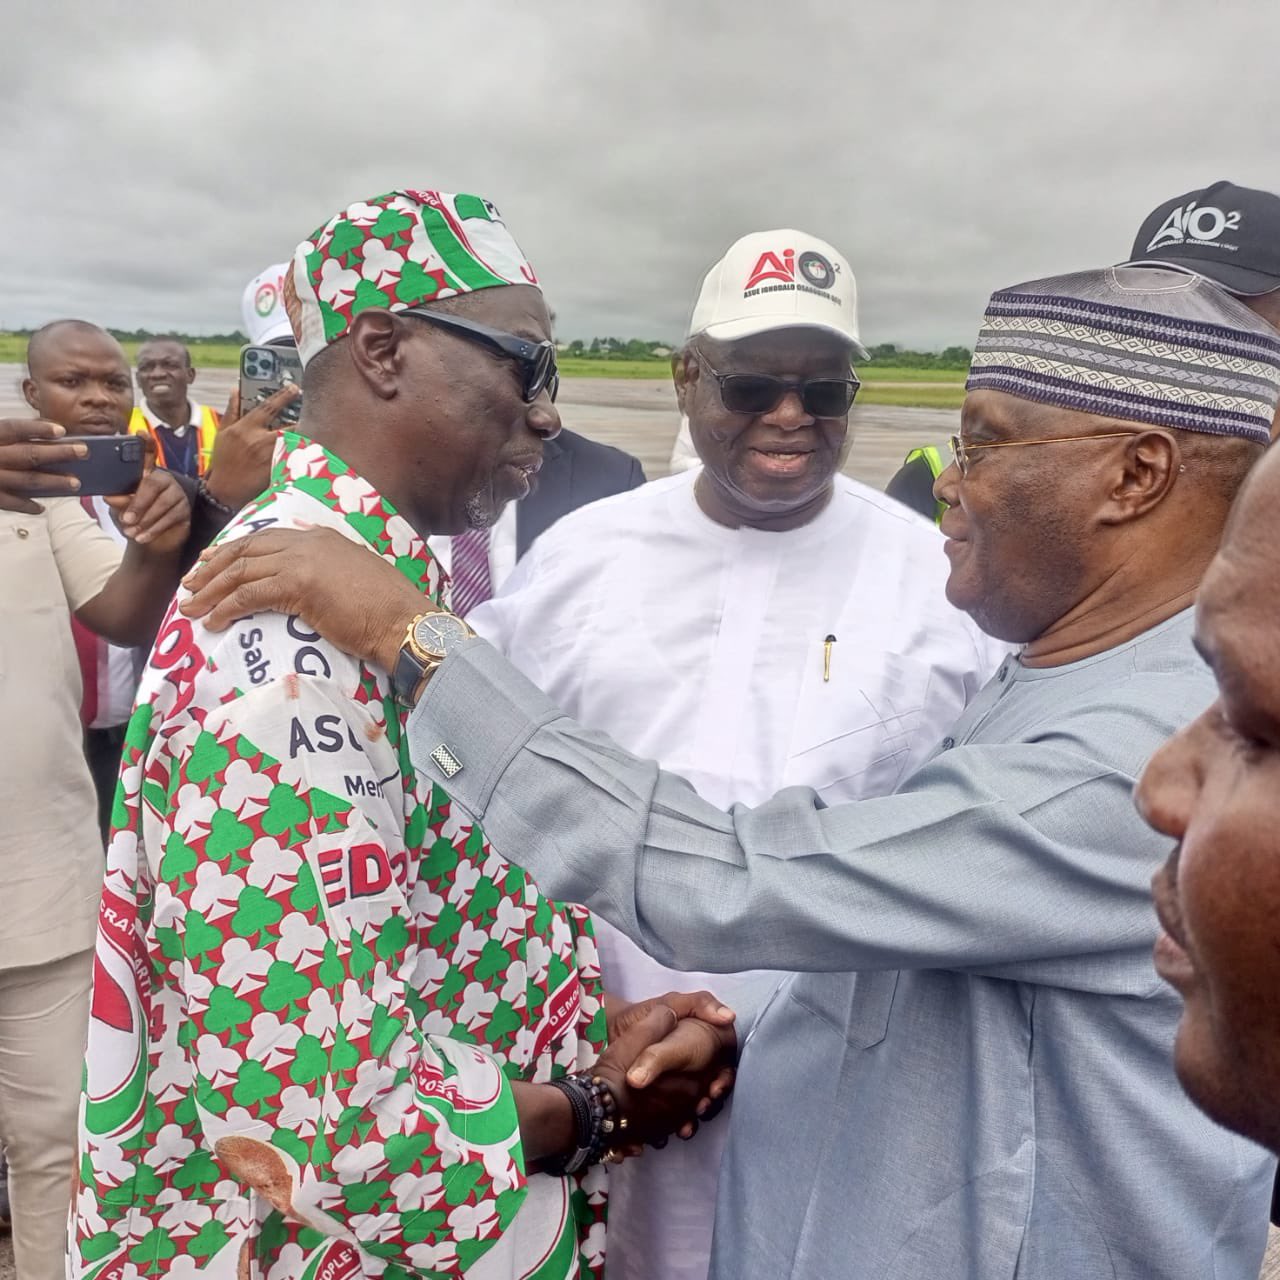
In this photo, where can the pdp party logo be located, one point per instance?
(116, 1088)
(270, 294)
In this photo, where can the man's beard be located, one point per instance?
(479, 511)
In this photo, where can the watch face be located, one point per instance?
(439, 633)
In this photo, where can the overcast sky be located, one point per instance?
(158, 154)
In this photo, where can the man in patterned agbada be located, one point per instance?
(326, 1014)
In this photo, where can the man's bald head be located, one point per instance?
(168, 346)
(78, 376)
(49, 337)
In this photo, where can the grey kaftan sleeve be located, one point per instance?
(1023, 860)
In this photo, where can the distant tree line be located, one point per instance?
(617, 349)
(645, 349)
(601, 348)
(891, 353)
(143, 335)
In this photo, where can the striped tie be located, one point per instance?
(470, 570)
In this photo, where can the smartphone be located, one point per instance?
(263, 371)
(114, 464)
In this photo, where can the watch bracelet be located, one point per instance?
(594, 1108)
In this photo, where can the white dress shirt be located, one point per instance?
(704, 647)
(117, 665)
(502, 548)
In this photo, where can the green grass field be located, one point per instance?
(208, 355)
(930, 388)
(923, 395)
(581, 367)
(903, 373)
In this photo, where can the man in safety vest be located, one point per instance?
(913, 483)
(182, 428)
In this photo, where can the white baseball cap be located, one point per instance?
(262, 307)
(778, 280)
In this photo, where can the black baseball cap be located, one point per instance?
(1227, 233)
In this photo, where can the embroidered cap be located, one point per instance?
(396, 251)
(1137, 343)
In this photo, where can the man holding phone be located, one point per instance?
(78, 377)
(56, 563)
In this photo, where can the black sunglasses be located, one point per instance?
(762, 392)
(535, 360)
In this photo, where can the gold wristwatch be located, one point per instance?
(428, 640)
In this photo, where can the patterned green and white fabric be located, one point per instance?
(314, 977)
(398, 250)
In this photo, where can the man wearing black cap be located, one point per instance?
(1228, 234)
(1231, 235)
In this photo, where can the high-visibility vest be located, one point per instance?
(937, 465)
(205, 435)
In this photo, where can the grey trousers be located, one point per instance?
(44, 1018)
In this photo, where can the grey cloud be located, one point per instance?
(159, 155)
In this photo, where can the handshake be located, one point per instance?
(669, 1067)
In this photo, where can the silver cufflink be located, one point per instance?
(446, 761)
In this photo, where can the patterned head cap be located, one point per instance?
(398, 250)
(1137, 343)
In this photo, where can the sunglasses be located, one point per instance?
(536, 361)
(758, 393)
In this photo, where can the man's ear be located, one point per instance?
(1149, 466)
(376, 343)
(683, 376)
(30, 394)
(191, 373)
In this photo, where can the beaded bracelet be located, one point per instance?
(216, 503)
(594, 1108)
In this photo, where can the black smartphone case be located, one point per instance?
(114, 465)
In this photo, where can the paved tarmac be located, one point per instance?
(640, 416)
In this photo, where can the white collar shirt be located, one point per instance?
(192, 423)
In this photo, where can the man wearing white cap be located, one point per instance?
(762, 622)
(262, 308)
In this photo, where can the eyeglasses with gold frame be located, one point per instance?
(961, 451)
